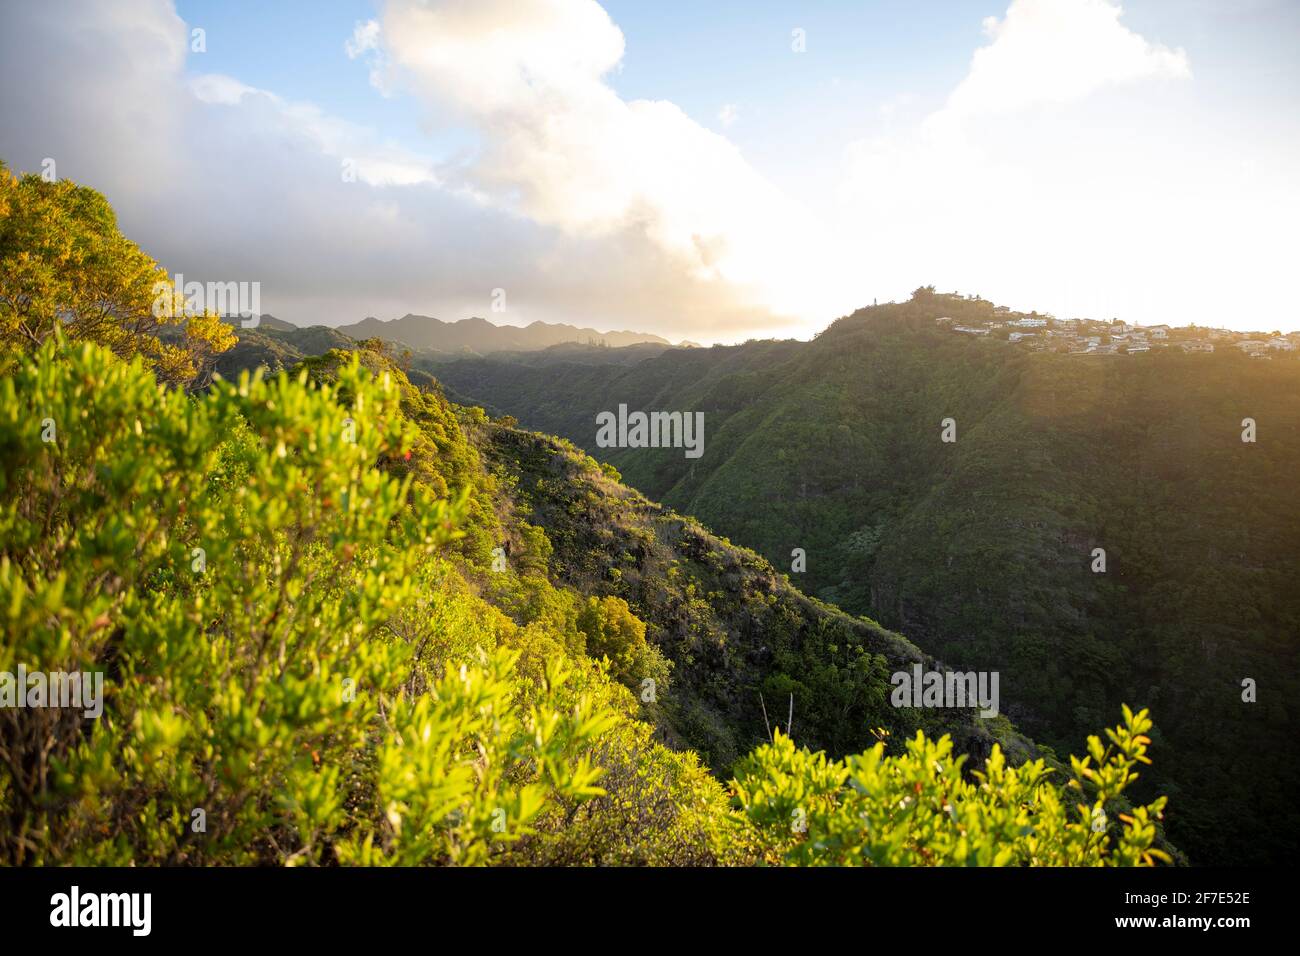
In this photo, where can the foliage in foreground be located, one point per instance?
(918, 808)
(298, 669)
(276, 621)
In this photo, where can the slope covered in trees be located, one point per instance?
(982, 550)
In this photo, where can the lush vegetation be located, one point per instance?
(342, 621)
(740, 639)
(918, 807)
(63, 262)
(289, 649)
(981, 550)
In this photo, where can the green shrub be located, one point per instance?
(240, 570)
(918, 809)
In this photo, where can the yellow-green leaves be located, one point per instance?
(64, 265)
(917, 808)
(300, 666)
(269, 607)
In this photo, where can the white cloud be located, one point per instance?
(1057, 51)
(373, 161)
(562, 148)
(1071, 171)
(365, 41)
(365, 36)
(729, 113)
(218, 89)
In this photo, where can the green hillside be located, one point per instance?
(980, 550)
(276, 348)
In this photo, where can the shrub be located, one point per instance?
(919, 809)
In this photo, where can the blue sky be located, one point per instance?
(699, 56)
(702, 56)
(677, 166)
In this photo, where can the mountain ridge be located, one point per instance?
(980, 550)
(476, 334)
(473, 335)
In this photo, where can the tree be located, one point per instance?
(614, 632)
(64, 265)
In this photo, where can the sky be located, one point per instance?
(713, 172)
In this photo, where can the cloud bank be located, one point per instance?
(1067, 169)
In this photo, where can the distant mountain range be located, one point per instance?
(276, 344)
(474, 335)
(483, 337)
